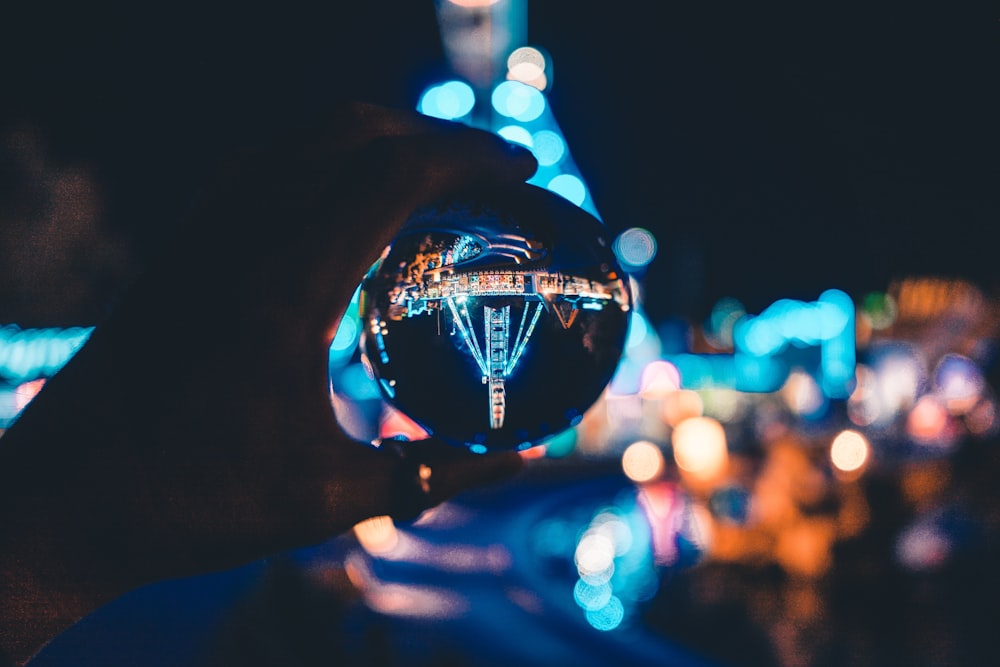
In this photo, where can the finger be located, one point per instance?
(391, 179)
(393, 176)
(354, 124)
(430, 472)
(351, 126)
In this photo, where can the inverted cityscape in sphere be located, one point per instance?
(496, 320)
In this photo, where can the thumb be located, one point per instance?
(431, 471)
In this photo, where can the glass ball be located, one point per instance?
(495, 319)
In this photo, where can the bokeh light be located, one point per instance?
(548, 147)
(923, 546)
(594, 557)
(803, 395)
(451, 100)
(635, 248)
(700, 448)
(608, 617)
(863, 407)
(659, 378)
(879, 310)
(516, 134)
(517, 100)
(642, 461)
(527, 65)
(928, 423)
(570, 187)
(591, 597)
(681, 405)
(899, 379)
(719, 327)
(959, 382)
(849, 452)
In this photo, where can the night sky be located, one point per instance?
(779, 149)
(775, 151)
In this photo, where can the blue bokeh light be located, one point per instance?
(516, 134)
(450, 100)
(549, 147)
(570, 187)
(608, 617)
(635, 247)
(519, 101)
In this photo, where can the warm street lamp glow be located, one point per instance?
(849, 451)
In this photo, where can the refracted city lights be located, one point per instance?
(496, 319)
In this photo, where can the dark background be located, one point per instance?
(774, 150)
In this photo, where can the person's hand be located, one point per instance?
(194, 431)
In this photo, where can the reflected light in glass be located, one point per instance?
(849, 451)
(345, 340)
(377, 535)
(396, 425)
(642, 461)
(635, 247)
(357, 384)
(570, 187)
(561, 444)
(700, 448)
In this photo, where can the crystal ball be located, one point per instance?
(495, 319)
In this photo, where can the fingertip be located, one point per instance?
(483, 467)
(520, 153)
